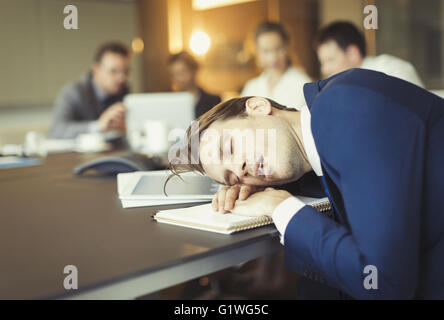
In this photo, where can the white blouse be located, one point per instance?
(288, 91)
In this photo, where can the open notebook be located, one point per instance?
(203, 217)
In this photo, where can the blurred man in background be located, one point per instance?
(183, 69)
(341, 46)
(280, 80)
(94, 102)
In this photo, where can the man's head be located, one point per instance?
(249, 140)
(183, 68)
(111, 67)
(340, 46)
(272, 46)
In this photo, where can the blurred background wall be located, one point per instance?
(39, 56)
(229, 62)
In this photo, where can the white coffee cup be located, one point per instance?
(35, 144)
(136, 139)
(91, 142)
(156, 136)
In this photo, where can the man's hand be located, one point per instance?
(223, 200)
(113, 118)
(261, 203)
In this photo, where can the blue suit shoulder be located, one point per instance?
(363, 88)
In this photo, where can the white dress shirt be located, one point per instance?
(393, 66)
(288, 91)
(283, 213)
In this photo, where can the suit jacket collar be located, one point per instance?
(312, 89)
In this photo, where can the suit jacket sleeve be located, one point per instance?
(66, 123)
(377, 153)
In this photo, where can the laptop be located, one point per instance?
(176, 109)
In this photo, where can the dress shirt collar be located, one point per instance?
(308, 141)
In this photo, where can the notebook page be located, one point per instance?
(205, 216)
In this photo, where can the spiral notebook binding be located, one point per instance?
(257, 222)
(322, 207)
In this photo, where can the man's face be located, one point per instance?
(111, 73)
(272, 52)
(182, 77)
(259, 150)
(333, 59)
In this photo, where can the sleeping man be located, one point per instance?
(376, 145)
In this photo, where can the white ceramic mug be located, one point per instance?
(156, 136)
(35, 144)
(90, 142)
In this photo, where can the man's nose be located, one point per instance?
(274, 58)
(240, 169)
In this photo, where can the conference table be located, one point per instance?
(51, 218)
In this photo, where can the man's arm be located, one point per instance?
(65, 125)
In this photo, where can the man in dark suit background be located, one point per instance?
(376, 144)
(183, 69)
(94, 102)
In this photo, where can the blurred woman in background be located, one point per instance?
(280, 80)
(183, 69)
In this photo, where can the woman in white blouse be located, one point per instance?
(279, 81)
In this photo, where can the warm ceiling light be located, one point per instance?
(137, 45)
(210, 4)
(200, 42)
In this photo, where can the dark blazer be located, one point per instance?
(381, 144)
(206, 102)
(77, 106)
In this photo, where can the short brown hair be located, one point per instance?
(186, 58)
(223, 111)
(114, 47)
(344, 33)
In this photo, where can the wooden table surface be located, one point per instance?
(51, 218)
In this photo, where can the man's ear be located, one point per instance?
(258, 106)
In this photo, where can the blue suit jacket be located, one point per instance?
(381, 144)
